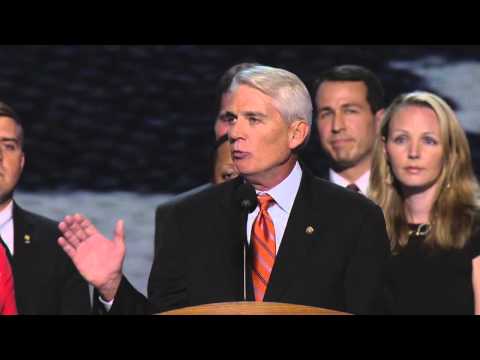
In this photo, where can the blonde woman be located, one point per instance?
(422, 178)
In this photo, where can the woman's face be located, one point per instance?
(414, 149)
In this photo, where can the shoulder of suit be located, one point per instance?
(37, 219)
(338, 193)
(198, 196)
(185, 195)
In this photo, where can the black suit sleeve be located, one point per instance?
(128, 301)
(167, 285)
(74, 292)
(161, 216)
(365, 273)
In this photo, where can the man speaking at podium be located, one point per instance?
(276, 233)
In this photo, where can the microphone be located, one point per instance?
(247, 197)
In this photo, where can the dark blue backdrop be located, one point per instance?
(139, 118)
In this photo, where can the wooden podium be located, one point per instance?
(252, 308)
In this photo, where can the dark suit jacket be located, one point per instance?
(323, 174)
(164, 210)
(46, 281)
(200, 259)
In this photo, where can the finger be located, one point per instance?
(76, 218)
(68, 220)
(65, 245)
(119, 234)
(79, 232)
(69, 236)
(88, 227)
(62, 226)
(82, 226)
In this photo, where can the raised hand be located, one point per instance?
(98, 259)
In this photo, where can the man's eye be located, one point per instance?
(230, 119)
(226, 118)
(324, 115)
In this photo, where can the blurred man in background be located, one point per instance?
(46, 282)
(349, 102)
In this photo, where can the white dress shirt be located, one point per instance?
(361, 182)
(284, 195)
(6, 226)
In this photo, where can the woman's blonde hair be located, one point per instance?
(454, 210)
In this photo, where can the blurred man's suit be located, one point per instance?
(46, 282)
(200, 255)
(163, 210)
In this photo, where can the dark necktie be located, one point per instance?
(353, 187)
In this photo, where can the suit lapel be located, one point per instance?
(234, 233)
(24, 258)
(296, 242)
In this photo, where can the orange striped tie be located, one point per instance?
(263, 246)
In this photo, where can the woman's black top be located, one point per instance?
(421, 280)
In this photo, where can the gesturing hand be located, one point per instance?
(98, 259)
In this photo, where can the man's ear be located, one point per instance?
(22, 161)
(297, 133)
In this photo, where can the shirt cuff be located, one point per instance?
(106, 304)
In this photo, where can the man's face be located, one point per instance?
(224, 169)
(261, 140)
(345, 122)
(221, 124)
(12, 158)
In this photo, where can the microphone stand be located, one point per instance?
(244, 272)
(248, 202)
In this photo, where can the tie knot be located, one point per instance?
(264, 201)
(353, 187)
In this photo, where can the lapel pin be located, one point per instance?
(309, 230)
(27, 239)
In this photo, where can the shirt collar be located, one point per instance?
(6, 214)
(361, 182)
(284, 193)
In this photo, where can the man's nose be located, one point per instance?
(237, 130)
(338, 123)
